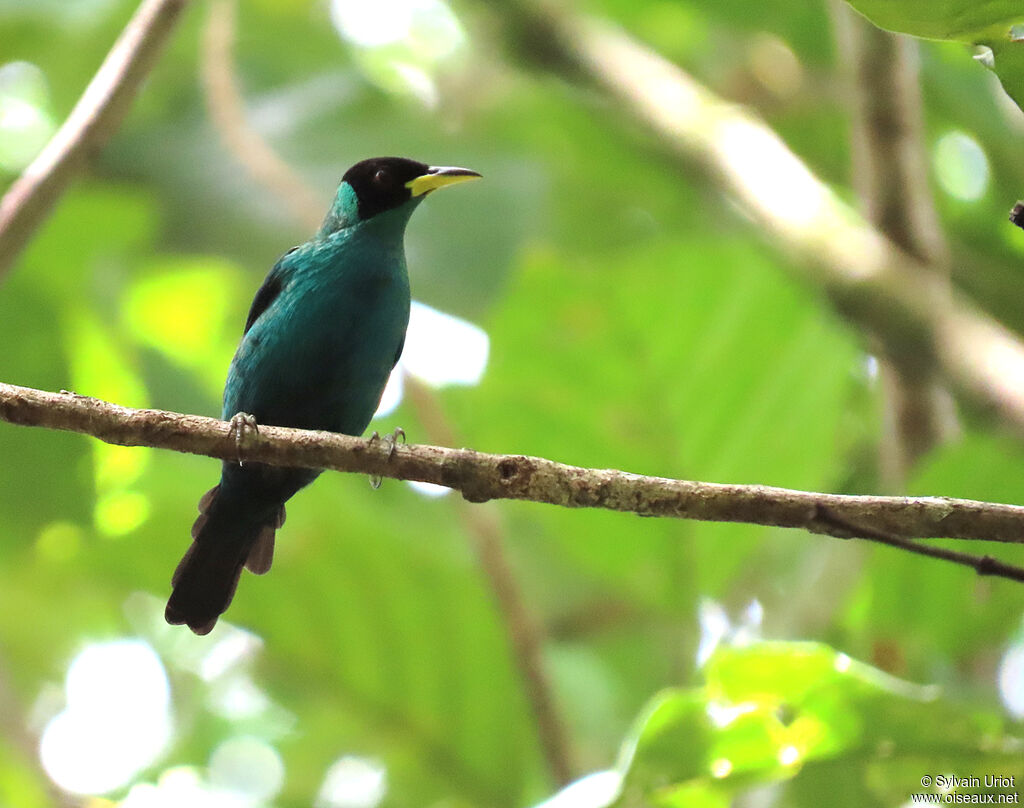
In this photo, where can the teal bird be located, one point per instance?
(322, 336)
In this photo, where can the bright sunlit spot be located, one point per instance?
(182, 308)
(716, 628)
(418, 82)
(236, 697)
(116, 722)
(402, 41)
(1001, 359)
(773, 175)
(25, 124)
(440, 349)
(870, 368)
(59, 541)
(232, 693)
(428, 489)
(721, 767)
(177, 787)
(749, 628)
(119, 466)
(788, 755)
(722, 715)
(353, 782)
(100, 365)
(120, 512)
(593, 791)
(233, 647)
(1011, 680)
(393, 393)
(248, 767)
(427, 25)
(961, 166)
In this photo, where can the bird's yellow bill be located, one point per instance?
(439, 177)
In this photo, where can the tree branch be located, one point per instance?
(481, 477)
(890, 176)
(87, 129)
(525, 633)
(226, 108)
(891, 296)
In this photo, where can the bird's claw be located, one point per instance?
(391, 441)
(244, 429)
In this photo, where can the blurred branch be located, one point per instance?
(891, 179)
(481, 477)
(892, 296)
(525, 635)
(227, 111)
(87, 129)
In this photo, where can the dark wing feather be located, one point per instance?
(269, 291)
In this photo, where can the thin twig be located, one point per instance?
(226, 109)
(983, 565)
(480, 477)
(87, 129)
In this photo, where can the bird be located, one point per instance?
(323, 333)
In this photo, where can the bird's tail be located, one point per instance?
(224, 539)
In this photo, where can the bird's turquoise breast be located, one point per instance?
(320, 355)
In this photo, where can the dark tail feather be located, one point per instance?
(223, 541)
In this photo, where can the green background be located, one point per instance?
(635, 321)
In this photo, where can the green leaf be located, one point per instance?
(798, 712)
(996, 24)
(961, 20)
(1008, 55)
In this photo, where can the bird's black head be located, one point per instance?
(380, 183)
(384, 183)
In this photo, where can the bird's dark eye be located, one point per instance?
(382, 178)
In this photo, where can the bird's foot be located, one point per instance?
(391, 441)
(244, 429)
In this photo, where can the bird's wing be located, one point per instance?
(270, 289)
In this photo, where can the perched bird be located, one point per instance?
(322, 336)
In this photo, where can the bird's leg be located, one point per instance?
(244, 428)
(391, 441)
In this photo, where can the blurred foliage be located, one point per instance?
(635, 321)
(807, 720)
